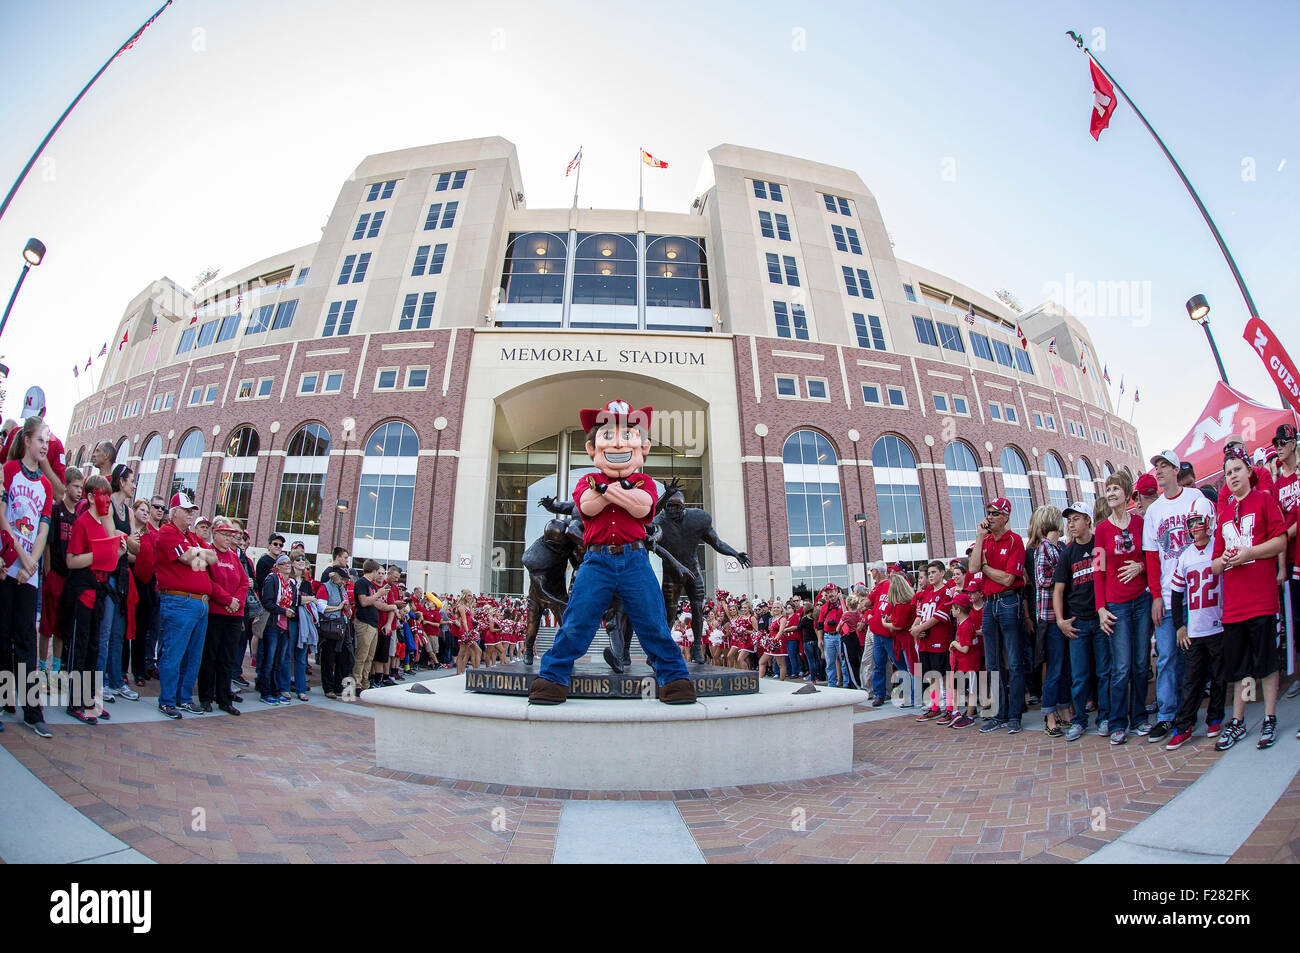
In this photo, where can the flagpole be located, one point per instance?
(577, 177)
(1241, 284)
(640, 179)
(85, 89)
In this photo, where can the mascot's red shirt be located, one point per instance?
(613, 524)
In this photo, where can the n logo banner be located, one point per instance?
(1280, 366)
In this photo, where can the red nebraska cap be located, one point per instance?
(614, 411)
(1002, 505)
(1146, 486)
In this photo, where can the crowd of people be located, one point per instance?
(105, 589)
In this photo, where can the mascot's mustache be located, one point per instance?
(618, 458)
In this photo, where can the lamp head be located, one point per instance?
(34, 251)
(1198, 308)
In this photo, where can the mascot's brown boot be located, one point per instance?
(543, 691)
(680, 691)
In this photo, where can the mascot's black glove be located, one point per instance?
(599, 487)
(625, 484)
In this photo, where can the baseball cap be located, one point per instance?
(1284, 433)
(34, 403)
(962, 599)
(201, 520)
(299, 543)
(1146, 486)
(1186, 467)
(1001, 504)
(897, 567)
(1167, 455)
(1078, 506)
(182, 501)
(282, 559)
(1258, 457)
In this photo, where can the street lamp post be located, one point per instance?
(1198, 309)
(861, 520)
(340, 507)
(33, 252)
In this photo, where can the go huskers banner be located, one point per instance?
(1280, 366)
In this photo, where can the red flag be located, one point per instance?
(651, 161)
(1103, 100)
(194, 318)
(1024, 341)
(88, 363)
(1280, 366)
(122, 343)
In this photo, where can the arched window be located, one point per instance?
(1058, 491)
(677, 275)
(1015, 481)
(123, 452)
(534, 268)
(1087, 483)
(146, 479)
(898, 501)
(189, 459)
(81, 456)
(386, 494)
(1107, 471)
(235, 490)
(814, 511)
(604, 269)
(307, 458)
(964, 493)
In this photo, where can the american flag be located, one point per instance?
(88, 363)
(154, 330)
(1105, 373)
(239, 302)
(574, 162)
(1051, 346)
(1121, 385)
(1136, 398)
(970, 316)
(103, 350)
(651, 161)
(76, 371)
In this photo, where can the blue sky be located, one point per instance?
(224, 135)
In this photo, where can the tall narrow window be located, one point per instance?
(814, 511)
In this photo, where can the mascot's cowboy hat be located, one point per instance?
(616, 411)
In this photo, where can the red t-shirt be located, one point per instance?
(613, 524)
(1263, 483)
(902, 615)
(968, 634)
(791, 629)
(849, 622)
(1121, 546)
(56, 455)
(1249, 590)
(934, 604)
(879, 606)
(168, 546)
(1287, 493)
(1007, 554)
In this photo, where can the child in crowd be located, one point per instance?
(967, 659)
(1198, 613)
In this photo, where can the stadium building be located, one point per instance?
(410, 384)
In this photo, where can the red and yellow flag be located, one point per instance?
(651, 161)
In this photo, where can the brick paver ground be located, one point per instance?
(299, 785)
(1277, 838)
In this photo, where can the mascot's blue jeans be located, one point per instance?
(600, 576)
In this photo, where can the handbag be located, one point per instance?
(331, 626)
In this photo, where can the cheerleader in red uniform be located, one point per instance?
(469, 652)
(898, 619)
(742, 637)
(489, 630)
(714, 636)
(772, 644)
(683, 636)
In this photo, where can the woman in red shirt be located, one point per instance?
(1124, 607)
(897, 620)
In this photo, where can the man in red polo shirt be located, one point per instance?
(881, 642)
(181, 564)
(616, 503)
(999, 554)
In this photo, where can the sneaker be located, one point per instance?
(268, 700)
(928, 714)
(109, 696)
(171, 711)
(962, 721)
(1159, 731)
(877, 702)
(1075, 733)
(1267, 733)
(103, 715)
(1144, 729)
(285, 697)
(1013, 726)
(1291, 692)
(241, 681)
(1178, 740)
(1232, 732)
(946, 719)
(1103, 728)
(1034, 701)
(1213, 728)
(192, 708)
(83, 716)
(41, 729)
(128, 693)
(991, 724)
(1119, 737)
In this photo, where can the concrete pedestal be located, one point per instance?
(623, 745)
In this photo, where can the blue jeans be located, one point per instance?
(269, 650)
(1004, 653)
(882, 652)
(111, 632)
(180, 648)
(816, 668)
(834, 673)
(1169, 668)
(1089, 654)
(1130, 671)
(1056, 674)
(284, 658)
(601, 575)
(299, 667)
(796, 662)
(903, 673)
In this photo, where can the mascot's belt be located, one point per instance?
(617, 548)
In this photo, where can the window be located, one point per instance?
(284, 313)
(814, 511)
(380, 191)
(431, 220)
(791, 271)
(386, 379)
(160, 402)
(386, 494)
(417, 378)
(298, 510)
(368, 226)
(1015, 483)
(782, 314)
(417, 311)
(1051, 422)
(979, 343)
(146, 477)
(1002, 352)
(449, 215)
(925, 331)
(450, 180)
(854, 245)
(965, 495)
(187, 340)
(1038, 419)
(264, 386)
(837, 233)
(333, 382)
(1087, 484)
(950, 337)
(261, 319)
(338, 320)
(760, 189)
(235, 486)
(782, 227)
(354, 268)
(800, 322)
(302, 276)
(1069, 426)
(898, 500)
(229, 327)
(869, 331)
(871, 395)
(1058, 491)
(787, 385)
(816, 388)
(767, 190)
(941, 403)
(897, 397)
(864, 281)
(208, 333)
(677, 273)
(995, 411)
(189, 460)
(909, 293)
(836, 204)
(773, 268)
(421, 259)
(850, 282)
(1009, 414)
(765, 224)
(605, 271)
(959, 406)
(307, 383)
(1023, 362)
(534, 268)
